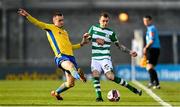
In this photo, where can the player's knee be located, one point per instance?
(95, 74)
(149, 66)
(110, 75)
(71, 84)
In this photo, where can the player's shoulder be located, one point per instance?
(109, 29)
(152, 27)
(95, 26)
(50, 26)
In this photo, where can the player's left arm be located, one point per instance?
(123, 48)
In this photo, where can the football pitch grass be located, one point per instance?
(37, 93)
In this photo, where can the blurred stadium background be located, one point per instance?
(24, 47)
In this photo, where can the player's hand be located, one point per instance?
(100, 41)
(86, 36)
(133, 53)
(23, 12)
(85, 39)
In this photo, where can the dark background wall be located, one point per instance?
(34, 50)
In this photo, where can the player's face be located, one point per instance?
(146, 21)
(58, 21)
(103, 21)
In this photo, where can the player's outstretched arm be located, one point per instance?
(125, 49)
(33, 20)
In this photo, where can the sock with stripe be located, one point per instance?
(96, 83)
(62, 88)
(120, 81)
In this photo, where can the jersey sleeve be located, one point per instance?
(76, 46)
(38, 23)
(152, 33)
(90, 32)
(113, 37)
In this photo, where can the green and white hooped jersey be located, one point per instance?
(100, 52)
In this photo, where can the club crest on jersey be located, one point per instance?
(107, 36)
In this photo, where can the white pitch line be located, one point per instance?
(152, 94)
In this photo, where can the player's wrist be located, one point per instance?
(27, 15)
(81, 44)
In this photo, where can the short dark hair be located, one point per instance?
(148, 17)
(105, 14)
(57, 13)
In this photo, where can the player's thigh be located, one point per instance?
(95, 68)
(152, 56)
(67, 65)
(70, 80)
(106, 65)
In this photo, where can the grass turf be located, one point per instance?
(37, 93)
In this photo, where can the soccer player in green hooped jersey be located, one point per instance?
(101, 37)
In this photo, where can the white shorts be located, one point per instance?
(101, 65)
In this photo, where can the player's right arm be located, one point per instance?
(33, 20)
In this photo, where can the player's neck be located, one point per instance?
(61, 27)
(102, 27)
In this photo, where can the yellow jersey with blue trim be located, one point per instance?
(57, 37)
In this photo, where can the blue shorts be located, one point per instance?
(59, 60)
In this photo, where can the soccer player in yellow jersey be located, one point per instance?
(62, 47)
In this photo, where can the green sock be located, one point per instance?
(119, 80)
(97, 87)
(131, 88)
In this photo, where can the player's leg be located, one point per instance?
(110, 75)
(71, 74)
(156, 53)
(155, 80)
(107, 68)
(151, 76)
(69, 66)
(152, 58)
(65, 86)
(67, 63)
(149, 67)
(82, 76)
(97, 86)
(95, 68)
(80, 72)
